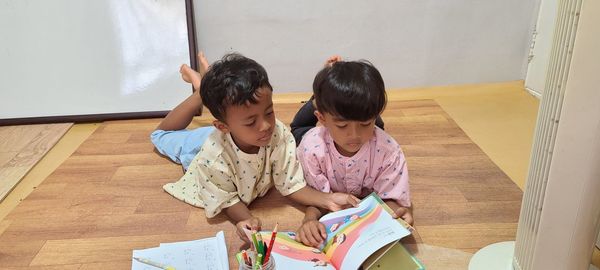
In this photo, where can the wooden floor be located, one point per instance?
(21, 147)
(76, 135)
(106, 199)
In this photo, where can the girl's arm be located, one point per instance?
(392, 182)
(401, 211)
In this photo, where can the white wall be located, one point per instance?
(538, 66)
(413, 43)
(71, 57)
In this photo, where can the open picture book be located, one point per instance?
(353, 235)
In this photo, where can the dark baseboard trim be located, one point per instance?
(86, 118)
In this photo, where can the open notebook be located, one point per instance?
(208, 254)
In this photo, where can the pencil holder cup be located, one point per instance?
(269, 265)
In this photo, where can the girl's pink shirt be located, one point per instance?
(379, 166)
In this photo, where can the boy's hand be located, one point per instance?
(338, 201)
(252, 224)
(332, 59)
(311, 233)
(404, 213)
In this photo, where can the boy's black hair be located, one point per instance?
(352, 90)
(233, 80)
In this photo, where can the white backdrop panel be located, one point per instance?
(71, 57)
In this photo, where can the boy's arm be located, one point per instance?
(182, 115)
(312, 232)
(313, 213)
(330, 201)
(240, 215)
(238, 212)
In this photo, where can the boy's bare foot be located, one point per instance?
(202, 64)
(332, 59)
(190, 76)
(194, 77)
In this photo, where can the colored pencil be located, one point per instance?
(271, 243)
(255, 241)
(245, 256)
(153, 263)
(259, 260)
(261, 249)
(266, 248)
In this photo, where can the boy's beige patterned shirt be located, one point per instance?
(221, 174)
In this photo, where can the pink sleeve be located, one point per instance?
(392, 182)
(311, 166)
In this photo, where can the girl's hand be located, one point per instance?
(338, 201)
(405, 214)
(252, 224)
(311, 233)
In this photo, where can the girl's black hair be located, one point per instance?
(233, 80)
(351, 90)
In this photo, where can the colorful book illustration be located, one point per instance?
(353, 235)
(208, 253)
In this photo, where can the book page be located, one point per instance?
(354, 234)
(289, 254)
(208, 254)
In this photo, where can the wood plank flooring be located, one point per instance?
(107, 198)
(21, 147)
